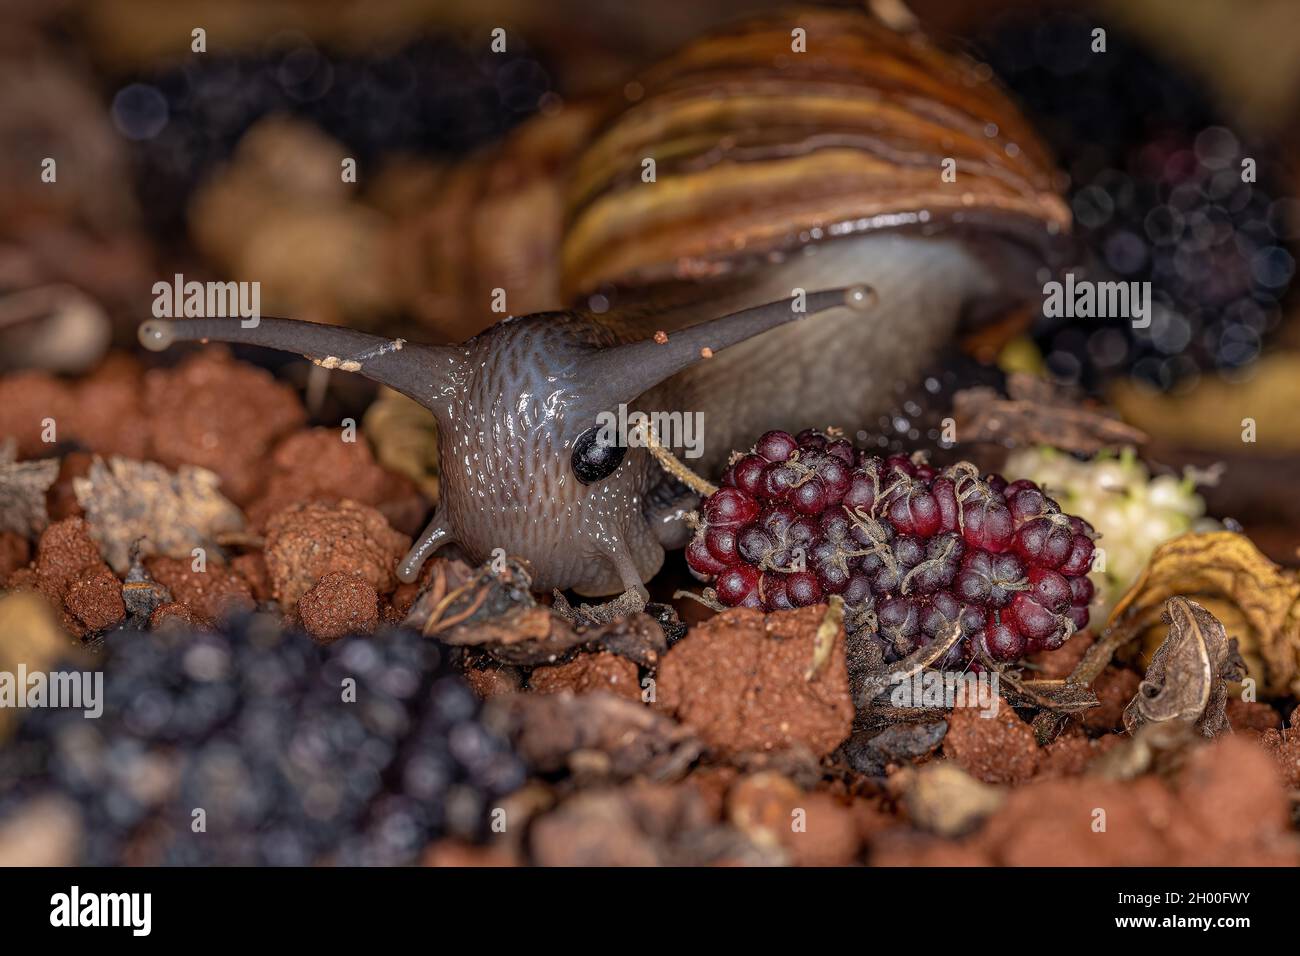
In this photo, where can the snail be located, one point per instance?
(776, 172)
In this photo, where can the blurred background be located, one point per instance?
(223, 164)
(206, 139)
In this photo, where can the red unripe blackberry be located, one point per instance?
(730, 508)
(1079, 560)
(776, 446)
(721, 543)
(1025, 503)
(754, 545)
(1010, 490)
(1044, 542)
(908, 548)
(809, 497)
(939, 568)
(747, 474)
(1030, 618)
(989, 579)
(842, 449)
(901, 464)
(738, 586)
(777, 481)
(944, 491)
(1002, 643)
(1049, 589)
(701, 559)
(810, 440)
(915, 512)
(857, 593)
(899, 621)
(861, 493)
(836, 476)
(803, 588)
(771, 587)
(987, 525)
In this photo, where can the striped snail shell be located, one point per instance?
(759, 149)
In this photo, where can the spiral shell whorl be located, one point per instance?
(759, 150)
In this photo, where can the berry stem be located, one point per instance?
(673, 465)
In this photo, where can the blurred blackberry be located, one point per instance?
(434, 95)
(1157, 194)
(294, 753)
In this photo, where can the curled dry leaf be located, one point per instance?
(140, 503)
(23, 485)
(1037, 412)
(404, 436)
(1187, 680)
(1257, 601)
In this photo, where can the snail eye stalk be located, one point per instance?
(593, 460)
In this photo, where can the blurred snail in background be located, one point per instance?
(873, 191)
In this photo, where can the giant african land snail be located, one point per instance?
(872, 159)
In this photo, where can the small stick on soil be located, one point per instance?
(827, 631)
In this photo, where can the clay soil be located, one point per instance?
(718, 747)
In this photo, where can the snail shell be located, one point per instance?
(759, 149)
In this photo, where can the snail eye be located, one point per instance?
(593, 460)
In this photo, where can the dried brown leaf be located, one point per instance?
(1218, 566)
(23, 485)
(1187, 680)
(133, 503)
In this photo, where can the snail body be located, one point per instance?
(777, 174)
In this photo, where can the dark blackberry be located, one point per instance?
(438, 94)
(908, 548)
(361, 752)
(1155, 182)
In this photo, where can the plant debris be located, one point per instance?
(23, 485)
(130, 504)
(405, 439)
(595, 734)
(1187, 680)
(1257, 602)
(141, 593)
(942, 798)
(492, 609)
(873, 752)
(1036, 411)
